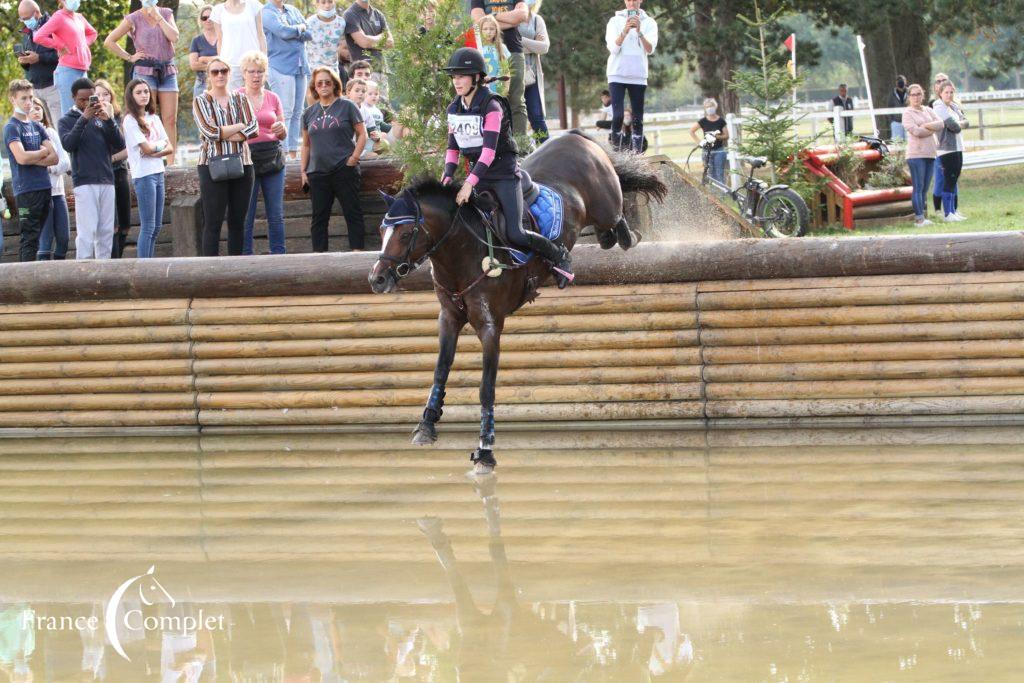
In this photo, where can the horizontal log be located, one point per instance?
(862, 315)
(418, 380)
(86, 306)
(384, 363)
(95, 385)
(902, 350)
(49, 417)
(80, 368)
(865, 370)
(86, 336)
(864, 295)
(85, 352)
(544, 412)
(647, 263)
(860, 281)
(839, 334)
(94, 319)
(875, 388)
(941, 405)
(128, 402)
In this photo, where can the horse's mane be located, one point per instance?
(428, 187)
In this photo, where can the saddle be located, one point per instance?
(487, 203)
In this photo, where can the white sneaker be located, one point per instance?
(952, 218)
(923, 221)
(960, 215)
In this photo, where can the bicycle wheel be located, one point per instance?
(783, 213)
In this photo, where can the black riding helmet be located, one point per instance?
(467, 61)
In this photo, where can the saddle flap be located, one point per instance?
(488, 204)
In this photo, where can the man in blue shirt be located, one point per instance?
(289, 69)
(30, 152)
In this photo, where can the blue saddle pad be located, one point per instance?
(547, 209)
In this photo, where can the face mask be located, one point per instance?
(328, 13)
(19, 111)
(32, 24)
(627, 121)
(149, 3)
(710, 111)
(72, 5)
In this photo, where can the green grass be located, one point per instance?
(991, 198)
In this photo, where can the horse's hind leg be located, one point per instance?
(626, 236)
(606, 215)
(449, 326)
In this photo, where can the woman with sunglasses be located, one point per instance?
(226, 122)
(202, 50)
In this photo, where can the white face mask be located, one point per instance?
(627, 121)
(19, 111)
(710, 111)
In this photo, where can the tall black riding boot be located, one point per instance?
(556, 254)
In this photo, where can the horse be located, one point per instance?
(424, 222)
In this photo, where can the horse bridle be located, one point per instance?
(404, 266)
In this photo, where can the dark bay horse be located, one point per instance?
(423, 222)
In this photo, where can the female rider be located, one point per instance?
(479, 128)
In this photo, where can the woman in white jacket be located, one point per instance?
(53, 240)
(631, 36)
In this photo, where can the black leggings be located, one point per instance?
(510, 194)
(122, 206)
(231, 196)
(952, 164)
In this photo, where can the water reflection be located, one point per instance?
(758, 555)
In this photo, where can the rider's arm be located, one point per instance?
(492, 127)
(451, 159)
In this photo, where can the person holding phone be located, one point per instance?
(38, 61)
(631, 36)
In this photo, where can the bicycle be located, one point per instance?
(776, 210)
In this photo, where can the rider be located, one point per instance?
(480, 128)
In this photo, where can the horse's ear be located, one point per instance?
(388, 199)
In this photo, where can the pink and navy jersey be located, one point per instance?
(483, 134)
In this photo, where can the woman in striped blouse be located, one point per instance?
(225, 121)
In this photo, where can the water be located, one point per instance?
(834, 555)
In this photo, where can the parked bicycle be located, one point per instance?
(775, 210)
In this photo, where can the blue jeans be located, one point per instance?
(636, 102)
(898, 131)
(921, 171)
(149, 191)
(291, 90)
(535, 112)
(272, 185)
(718, 165)
(57, 228)
(63, 78)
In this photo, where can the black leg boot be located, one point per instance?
(556, 254)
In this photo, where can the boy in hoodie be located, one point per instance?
(631, 36)
(91, 136)
(30, 153)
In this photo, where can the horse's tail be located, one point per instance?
(634, 174)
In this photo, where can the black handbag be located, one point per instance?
(267, 157)
(226, 167)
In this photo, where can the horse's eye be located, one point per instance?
(406, 236)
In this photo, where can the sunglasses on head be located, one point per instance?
(219, 72)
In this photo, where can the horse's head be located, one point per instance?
(410, 233)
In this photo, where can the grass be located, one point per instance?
(991, 198)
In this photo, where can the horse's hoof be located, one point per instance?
(424, 435)
(628, 238)
(607, 239)
(483, 461)
(430, 526)
(481, 469)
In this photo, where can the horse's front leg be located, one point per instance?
(490, 338)
(449, 326)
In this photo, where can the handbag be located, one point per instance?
(529, 76)
(226, 167)
(267, 157)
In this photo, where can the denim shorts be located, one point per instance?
(168, 84)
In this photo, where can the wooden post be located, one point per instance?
(563, 115)
(186, 226)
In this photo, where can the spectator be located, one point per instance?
(70, 34)
(713, 123)
(39, 62)
(898, 100)
(268, 165)
(950, 149)
(239, 27)
(374, 119)
(366, 35)
(122, 178)
(534, 33)
(287, 36)
(606, 111)
(333, 138)
(509, 14)
(627, 129)
(202, 50)
(154, 35)
(30, 153)
(226, 122)
(846, 102)
(360, 70)
(940, 80)
(327, 35)
(496, 55)
(53, 242)
(356, 92)
(631, 36)
(89, 133)
(147, 143)
(921, 124)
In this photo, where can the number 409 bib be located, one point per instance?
(467, 129)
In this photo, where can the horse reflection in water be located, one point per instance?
(510, 643)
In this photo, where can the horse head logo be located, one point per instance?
(150, 593)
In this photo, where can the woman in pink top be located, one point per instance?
(267, 152)
(921, 123)
(70, 34)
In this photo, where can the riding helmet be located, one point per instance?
(467, 61)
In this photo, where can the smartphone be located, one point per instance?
(305, 188)
(630, 13)
(93, 99)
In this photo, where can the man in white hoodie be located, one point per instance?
(631, 36)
